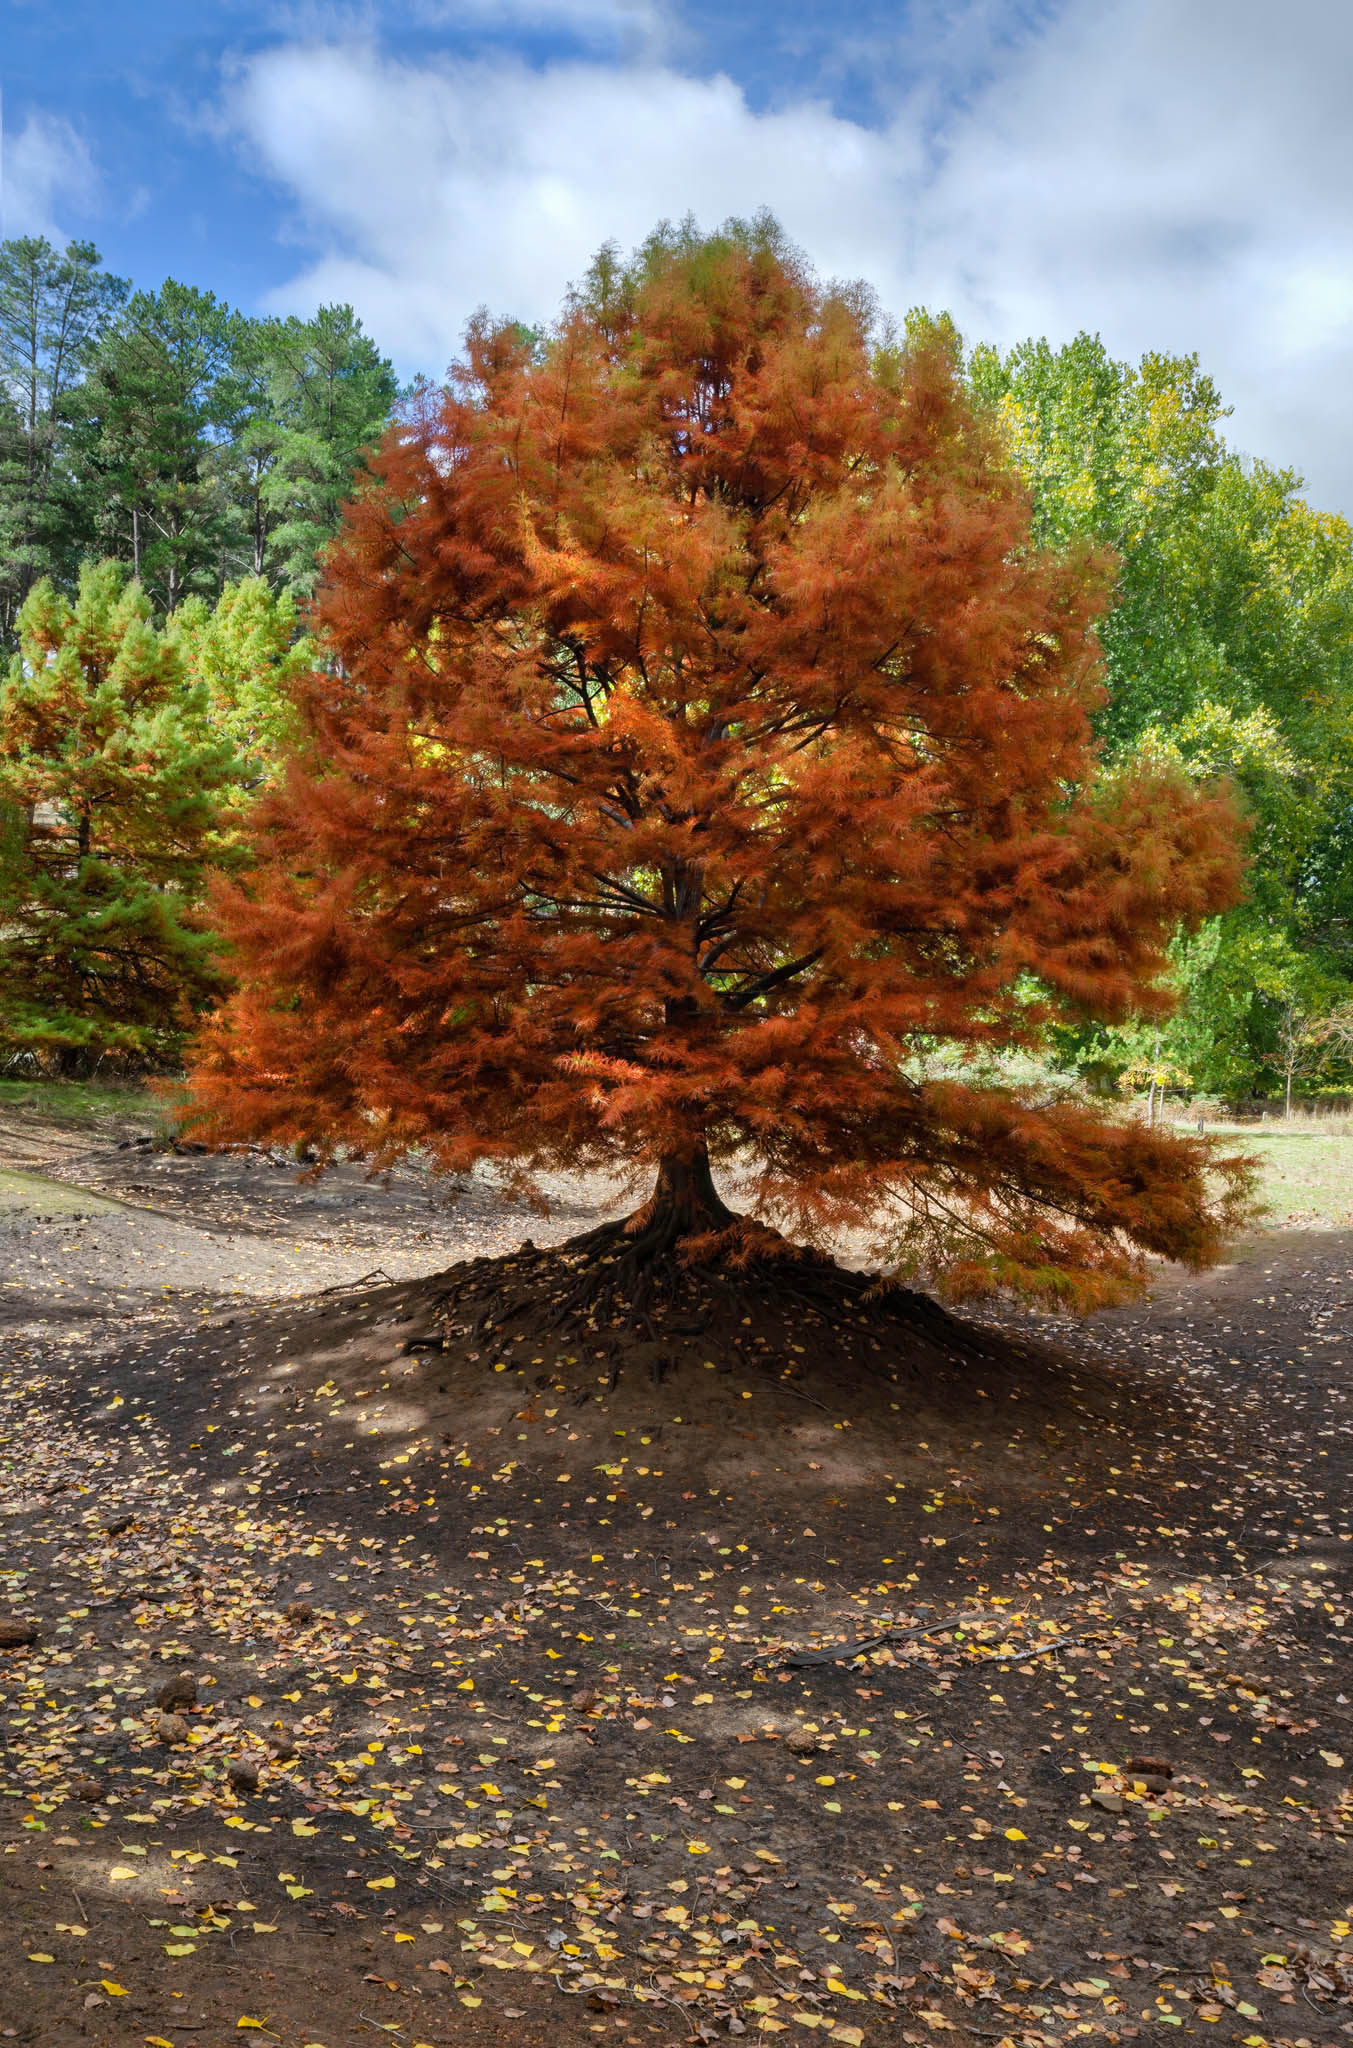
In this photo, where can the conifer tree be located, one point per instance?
(703, 743)
(111, 780)
(246, 653)
(54, 309)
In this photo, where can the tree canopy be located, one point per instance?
(704, 738)
(167, 430)
(1229, 648)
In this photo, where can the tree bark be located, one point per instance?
(684, 1197)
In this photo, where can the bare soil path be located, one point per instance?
(495, 1731)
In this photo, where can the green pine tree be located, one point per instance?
(112, 784)
(155, 441)
(329, 396)
(244, 652)
(54, 308)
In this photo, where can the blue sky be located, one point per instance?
(1175, 174)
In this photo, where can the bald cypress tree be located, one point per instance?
(703, 741)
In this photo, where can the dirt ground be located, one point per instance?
(495, 1729)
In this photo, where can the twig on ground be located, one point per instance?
(843, 1653)
(1045, 1649)
(351, 1286)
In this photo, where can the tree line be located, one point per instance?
(171, 470)
(166, 431)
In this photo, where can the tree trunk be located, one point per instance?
(685, 1200)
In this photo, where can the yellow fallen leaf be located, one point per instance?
(180, 1948)
(467, 1999)
(380, 1884)
(842, 1990)
(405, 1937)
(698, 1848)
(849, 2037)
(113, 1990)
(120, 1873)
(259, 2026)
(302, 1827)
(1332, 1758)
(1015, 1835)
(265, 1927)
(157, 2041)
(37, 1956)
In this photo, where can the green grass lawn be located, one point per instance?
(1306, 1175)
(78, 1101)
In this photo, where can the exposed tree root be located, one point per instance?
(651, 1293)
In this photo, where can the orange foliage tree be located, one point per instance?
(704, 744)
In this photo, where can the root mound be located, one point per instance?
(623, 1300)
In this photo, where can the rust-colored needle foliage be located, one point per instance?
(705, 747)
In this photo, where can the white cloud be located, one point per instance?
(1173, 173)
(434, 191)
(45, 166)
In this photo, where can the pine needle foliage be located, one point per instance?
(702, 739)
(111, 779)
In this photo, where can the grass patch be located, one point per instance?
(34, 1194)
(1306, 1175)
(81, 1101)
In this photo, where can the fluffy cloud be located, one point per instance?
(433, 191)
(1173, 173)
(46, 168)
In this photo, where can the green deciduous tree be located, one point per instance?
(1229, 648)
